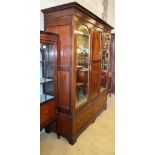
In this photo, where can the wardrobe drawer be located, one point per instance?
(84, 116)
(47, 111)
(100, 102)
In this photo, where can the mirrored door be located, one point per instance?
(105, 59)
(82, 64)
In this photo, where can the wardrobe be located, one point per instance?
(84, 41)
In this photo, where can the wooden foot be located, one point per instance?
(72, 141)
(48, 129)
(58, 135)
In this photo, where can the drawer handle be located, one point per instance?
(46, 111)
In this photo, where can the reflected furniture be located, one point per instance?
(112, 61)
(81, 97)
(103, 78)
(109, 83)
(48, 79)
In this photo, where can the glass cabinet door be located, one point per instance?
(105, 60)
(46, 71)
(82, 64)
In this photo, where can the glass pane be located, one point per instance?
(46, 71)
(82, 64)
(105, 60)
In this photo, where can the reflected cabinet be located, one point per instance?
(82, 56)
(48, 78)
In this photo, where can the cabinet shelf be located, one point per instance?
(44, 97)
(84, 70)
(44, 80)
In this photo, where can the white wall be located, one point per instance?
(111, 13)
(94, 6)
(41, 21)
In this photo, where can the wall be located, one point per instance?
(94, 6)
(111, 13)
(41, 21)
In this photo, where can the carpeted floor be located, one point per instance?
(97, 139)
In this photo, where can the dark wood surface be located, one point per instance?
(64, 20)
(47, 112)
(78, 7)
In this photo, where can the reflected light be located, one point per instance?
(44, 46)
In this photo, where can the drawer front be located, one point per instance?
(83, 117)
(47, 112)
(100, 102)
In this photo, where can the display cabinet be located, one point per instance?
(48, 78)
(81, 33)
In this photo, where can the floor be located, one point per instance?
(97, 139)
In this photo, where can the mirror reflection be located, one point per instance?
(82, 63)
(105, 60)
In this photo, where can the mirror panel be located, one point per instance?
(82, 64)
(105, 60)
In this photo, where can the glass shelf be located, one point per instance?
(44, 97)
(43, 80)
(84, 69)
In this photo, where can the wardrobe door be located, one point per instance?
(82, 63)
(105, 63)
(95, 63)
(82, 47)
(112, 58)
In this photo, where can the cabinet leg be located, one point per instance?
(58, 135)
(72, 141)
(48, 129)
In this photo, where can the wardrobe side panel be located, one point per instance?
(63, 64)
